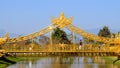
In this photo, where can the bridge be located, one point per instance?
(63, 22)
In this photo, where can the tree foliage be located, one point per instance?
(59, 36)
(104, 32)
(88, 41)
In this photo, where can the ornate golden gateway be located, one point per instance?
(61, 22)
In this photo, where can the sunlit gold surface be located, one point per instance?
(61, 22)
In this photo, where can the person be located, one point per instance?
(99, 47)
(80, 44)
(30, 48)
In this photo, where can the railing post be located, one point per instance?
(50, 27)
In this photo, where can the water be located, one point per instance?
(63, 62)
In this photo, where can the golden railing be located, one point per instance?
(58, 47)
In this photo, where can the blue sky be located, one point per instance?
(27, 16)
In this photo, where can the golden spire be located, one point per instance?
(6, 35)
(61, 21)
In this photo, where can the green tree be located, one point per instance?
(59, 36)
(88, 41)
(104, 32)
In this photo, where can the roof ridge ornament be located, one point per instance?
(61, 21)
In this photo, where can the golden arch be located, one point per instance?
(61, 22)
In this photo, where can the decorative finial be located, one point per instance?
(61, 14)
(6, 35)
(61, 21)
